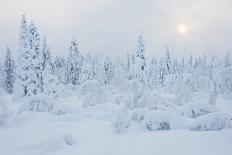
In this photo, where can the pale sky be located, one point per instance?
(111, 27)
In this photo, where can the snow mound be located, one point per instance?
(194, 110)
(162, 120)
(52, 144)
(38, 103)
(212, 122)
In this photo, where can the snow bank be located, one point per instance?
(212, 122)
(197, 109)
(38, 103)
(52, 144)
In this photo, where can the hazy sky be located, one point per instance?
(111, 27)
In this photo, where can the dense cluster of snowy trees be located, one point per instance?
(34, 71)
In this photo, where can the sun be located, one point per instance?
(182, 29)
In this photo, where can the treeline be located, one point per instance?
(35, 71)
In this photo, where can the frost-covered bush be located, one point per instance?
(38, 103)
(197, 109)
(120, 120)
(92, 93)
(224, 81)
(162, 120)
(133, 95)
(4, 112)
(212, 122)
(114, 95)
(157, 101)
(170, 82)
(138, 114)
(183, 88)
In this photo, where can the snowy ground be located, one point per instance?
(88, 132)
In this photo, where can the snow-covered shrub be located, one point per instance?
(170, 82)
(197, 109)
(224, 81)
(212, 122)
(162, 120)
(38, 103)
(133, 95)
(114, 95)
(138, 114)
(92, 93)
(4, 112)
(183, 88)
(158, 101)
(120, 120)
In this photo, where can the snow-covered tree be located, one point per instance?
(109, 71)
(228, 61)
(152, 77)
(9, 67)
(140, 59)
(167, 61)
(35, 62)
(45, 53)
(1, 78)
(59, 68)
(50, 81)
(88, 68)
(25, 74)
(44, 61)
(74, 64)
(140, 52)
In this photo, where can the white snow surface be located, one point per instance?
(72, 129)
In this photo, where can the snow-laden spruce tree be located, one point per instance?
(109, 71)
(1, 78)
(9, 67)
(167, 61)
(162, 71)
(152, 77)
(35, 55)
(228, 61)
(45, 54)
(49, 81)
(59, 68)
(74, 64)
(89, 68)
(140, 59)
(25, 73)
